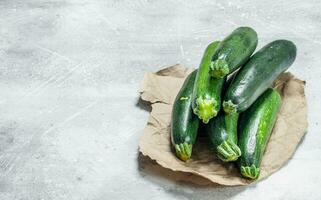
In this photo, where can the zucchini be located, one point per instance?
(207, 90)
(184, 124)
(233, 51)
(255, 128)
(258, 75)
(222, 132)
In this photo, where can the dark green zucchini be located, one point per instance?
(207, 90)
(184, 124)
(255, 128)
(233, 51)
(222, 132)
(258, 75)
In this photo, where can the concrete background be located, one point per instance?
(69, 75)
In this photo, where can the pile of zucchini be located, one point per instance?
(231, 94)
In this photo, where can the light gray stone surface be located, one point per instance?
(69, 75)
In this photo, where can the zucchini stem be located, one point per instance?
(229, 107)
(183, 151)
(228, 151)
(219, 68)
(205, 109)
(251, 172)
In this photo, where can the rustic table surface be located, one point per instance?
(70, 121)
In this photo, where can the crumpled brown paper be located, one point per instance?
(160, 90)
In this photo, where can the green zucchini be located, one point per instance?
(258, 75)
(222, 132)
(184, 124)
(255, 128)
(207, 90)
(233, 51)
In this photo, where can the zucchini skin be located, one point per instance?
(222, 132)
(185, 124)
(207, 90)
(258, 75)
(255, 128)
(233, 51)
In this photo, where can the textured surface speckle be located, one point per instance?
(70, 119)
